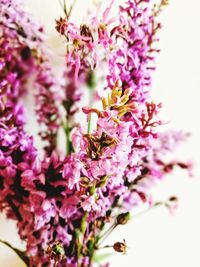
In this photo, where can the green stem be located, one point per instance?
(77, 249)
(68, 142)
(80, 235)
(89, 123)
(90, 115)
(65, 8)
(71, 8)
(107, 246)
(66, 127)
(160, 203)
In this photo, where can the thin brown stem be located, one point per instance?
(107, 233)
(71, 8)
(63, 5)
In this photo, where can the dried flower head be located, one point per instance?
(120, 247)
(123, 218)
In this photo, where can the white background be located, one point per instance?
(154, 239)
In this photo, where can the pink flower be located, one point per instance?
(89, 204)
(71, 171)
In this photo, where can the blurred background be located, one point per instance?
(155, 238)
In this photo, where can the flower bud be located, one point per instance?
(123, 218)
(120, 247)
(173, 199)
(172, 204)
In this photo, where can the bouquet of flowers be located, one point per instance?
(66, 203)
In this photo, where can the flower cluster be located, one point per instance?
(63, 204)
(132, 60)
(23, 54)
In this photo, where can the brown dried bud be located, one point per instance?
(173, 199)
(120, 247)
(61, 25)
(165, 2)
(172, 204)
(123, 218)
(85, 31)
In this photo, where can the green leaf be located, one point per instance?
(21, 254)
